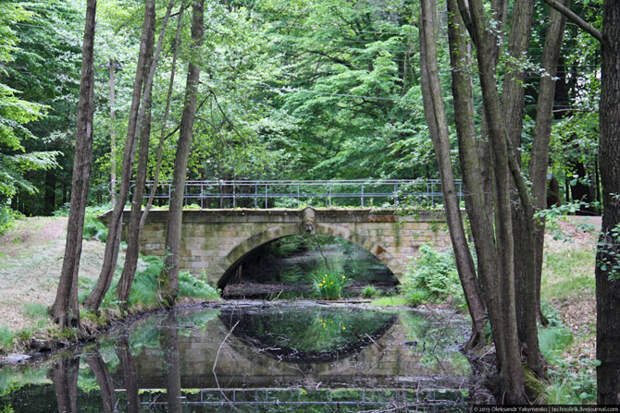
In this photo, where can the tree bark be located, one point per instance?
(169, 279)
(608, 253)
(162, 137)
(93, 301)
(144, 122)
(112, 134)
(508, 350)
(435, 113)
(65, 310)
(542, 133)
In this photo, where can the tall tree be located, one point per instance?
(169, 279)
(435, 112)
(608, 253)
(135, 217)
(65, 310)
(95, 298)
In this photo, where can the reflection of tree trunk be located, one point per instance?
(64, 374)
(130, 374)
(104, 380)
(170, 344)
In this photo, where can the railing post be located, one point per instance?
(362, 194)
(219, 189)
(255, 195)
(329, 196)
(266, 202)
(202, 196)
(234, 194)
(298, 198)
(396, 194)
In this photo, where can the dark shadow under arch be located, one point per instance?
(251, 245)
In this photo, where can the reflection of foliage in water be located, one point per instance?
(14, 378)
(436, 341)
(310, 329)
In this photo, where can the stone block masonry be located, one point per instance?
(214, 240)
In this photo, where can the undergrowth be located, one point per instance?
(144, 290)
(433, 278)
(7, 217)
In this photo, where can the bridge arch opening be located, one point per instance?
(284, 265)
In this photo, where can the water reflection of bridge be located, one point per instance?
(391, 361)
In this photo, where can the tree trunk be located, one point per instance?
(542, 133)
(65, 310)
(435, 113)
(144, 120)
(608, 253)
(112, 134)
(169, 279)
(49, 200)
(114, 227)
(162, 137)
(508, 350)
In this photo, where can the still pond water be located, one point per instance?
(257, 356)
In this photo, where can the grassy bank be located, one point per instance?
(30, 264)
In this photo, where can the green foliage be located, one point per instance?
(370, 291)
(570, 385)
(432, 278)
(144, 290)
(395, 301)
(93, 227)
(35, 310)
(329, 285)
(7, 218)
(6, 339)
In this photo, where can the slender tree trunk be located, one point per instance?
(144, 120)
(434, 110)
(608, 253)
(542, 134)
(112, 134)
(93, 301)
(65, 310)
(160, 147)
(169, 279)
(49, 200)
(508, 351)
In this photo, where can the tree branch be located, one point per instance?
(572, 16)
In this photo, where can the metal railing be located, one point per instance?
(291, 194)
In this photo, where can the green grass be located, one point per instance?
(392, 301)
(568, 273)
(370, 291)
(35, 310)
(6, 339)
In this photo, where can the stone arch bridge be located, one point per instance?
(215, 240)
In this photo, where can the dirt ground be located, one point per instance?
(30, 262)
